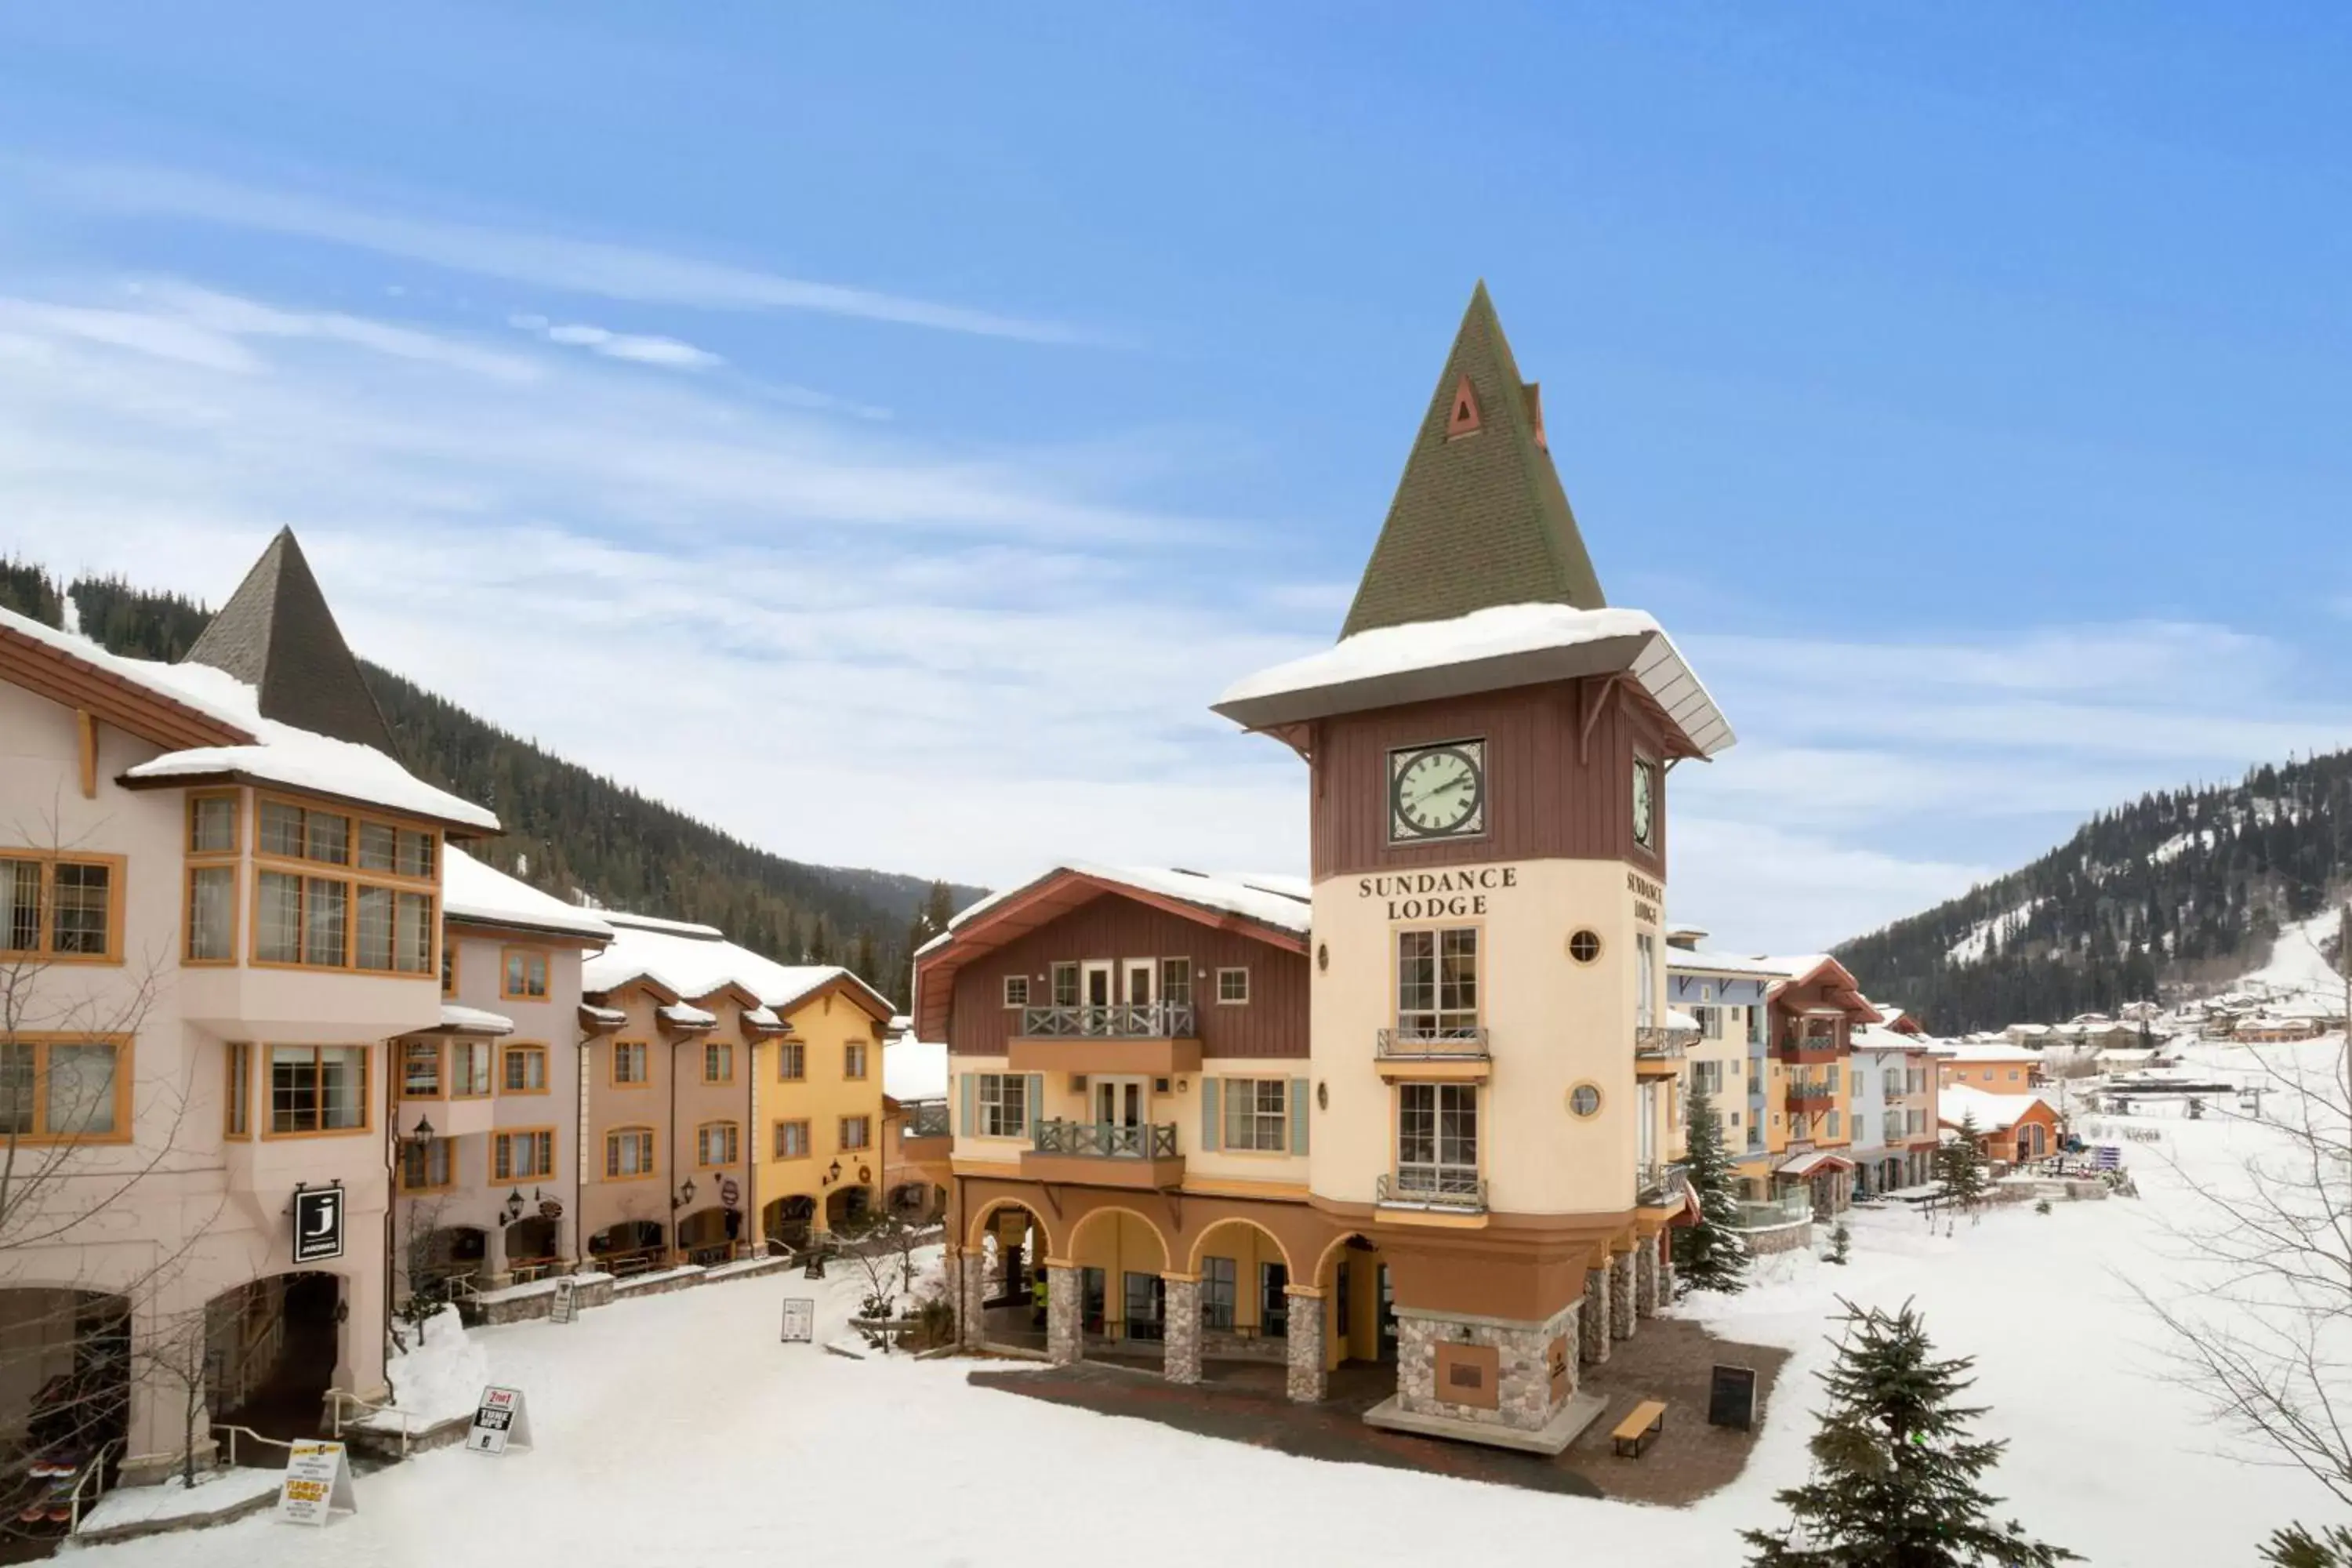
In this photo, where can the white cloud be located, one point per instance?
(640, 349)
(545, 260)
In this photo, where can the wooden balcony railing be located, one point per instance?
(1421, 1043)
(1105, 1140)
(1438, 1188)
(1119, 1021)
(927, 1118)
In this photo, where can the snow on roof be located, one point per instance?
(473, 890)
(1680, 1022)
(1806, 1164)
(612, 1016)
(1994, 1051)
(763, 1018)
(281, 754)
(1509, 642)
(1277, 899)
(1879, 1038)
(1699, 960)
(474, 1020)
(688, 1014)
(1994, 1112)
(694, 960)
(914, 1069)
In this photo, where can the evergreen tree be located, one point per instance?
(1709, 1254)
(2297, 1547)
(1894, 1471)
(863, 961)
(27, 590)
(1960, 1165)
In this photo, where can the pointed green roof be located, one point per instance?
(277, 635)
(1479, 518)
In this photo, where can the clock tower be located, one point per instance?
(1496, 1103)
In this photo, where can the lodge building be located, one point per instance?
(1424, 1108)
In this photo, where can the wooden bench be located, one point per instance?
(1645, 1420)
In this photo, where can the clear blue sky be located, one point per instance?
(883, 430)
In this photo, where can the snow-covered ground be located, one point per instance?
(678, 1429)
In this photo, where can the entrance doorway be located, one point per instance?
(1119, 1101)
(1136, 983)
(271, 1350)
(1095, 983)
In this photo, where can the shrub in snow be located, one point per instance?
(2041, 1206)
(1894, 1471)
(2296, 1547)
(1840, 1243)
(1709, 1254)
(1960, 1175)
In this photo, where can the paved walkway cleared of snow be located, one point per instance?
(678, 1429)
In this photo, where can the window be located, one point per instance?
(1066, 984)
(81, 898)
(449, 969)
(1830, 1077)
(339, 922)
(629, 1065)
(1176, 982)
(628, 1152)
(317, 1089)
(853, 1059)
(791, 1061)
(469, 1070)
(714, 1143)
(426, 1167)
(211, 914)
(420, 1069)
(523, 1155)
(1584, 1099)
(525, 1070)
(1257, 1114)
(1710, 1022)
(212, 825)
(63, 1087)
(1003, 1105)
(1861, 1127)
(1217, 1279)
(1755, 1028)
(717, 1061)
(238, 1105)
(1891, 1082)
(1645, 979)
(1233, 985)
(1016, 991)
(1437, 1137)
(1437, 982)
(1707, 1075)
(525, 978)
(792, 1139)
(856, 1132)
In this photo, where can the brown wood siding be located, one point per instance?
(1272, 1022)
(1542, 801)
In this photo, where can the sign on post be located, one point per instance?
(317, 1481)
(318, 1224)
(799, 1320)
(500, 1419)
(1731, 1398)
(567, 1299)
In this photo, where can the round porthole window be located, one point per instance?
(1584, 946)
(1322, 955)
(1584, 1099)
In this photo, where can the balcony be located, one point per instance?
(927, 1118)
(1810, 1049)
(1104, 1154)
(1807, 1096)
(1455, 1055)
(1156, 1039)
(1430, 1189)
(1660, 1186)
(1658, 1053)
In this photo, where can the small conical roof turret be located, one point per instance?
(277, 635)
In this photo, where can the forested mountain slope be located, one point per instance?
(569, 830)
(2175, 892)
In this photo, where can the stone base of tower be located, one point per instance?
(1507, 1383)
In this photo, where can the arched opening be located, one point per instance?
(709, 1236)
(65, 1394)
(436, 1257)
(789, 1220)
(532, 1246)
(271, 1346)
(1122, 1296)
(1360, 1298)
(1008, 1246)
(630, 1246)
(1246, 1277)
(845, 1207)
(913, 1202)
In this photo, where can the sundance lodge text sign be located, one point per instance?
(1425, 895)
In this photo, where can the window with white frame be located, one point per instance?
(1016, 991)
(1233, 985)
(1437, 982)
(1003, 1105)
(1066, 984)
(1437, 1137)
(1257, 1114)
(1707, 1075)
(1176, 982)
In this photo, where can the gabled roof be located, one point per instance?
(1804, 969)
(473, 893)
(1698, 960)
(683, 963)
(277, 635)
(1994, 1112)
(1479, 518)
(1276, 910)
(77, 673)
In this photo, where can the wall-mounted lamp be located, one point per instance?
(514, 1206)
(422, 1133)
(684, 1195)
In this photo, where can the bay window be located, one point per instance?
(346, 920)
(317, 1089)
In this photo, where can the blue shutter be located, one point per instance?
(1033, 1102)
(1298, 1116)
(1209, 1127)
(970, 1082)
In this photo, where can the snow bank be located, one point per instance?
(439, 1379)
(216, 1492)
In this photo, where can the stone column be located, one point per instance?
(1621, 1297)
(1183, 1327)
(494, 1253)
(1666, 1273)
(1064, 1325)
(972, 1295)
(1308, 1379)
(1592, 1321)
(1646, 1277)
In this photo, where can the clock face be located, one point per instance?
(1645, 803)
(1437, 792)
